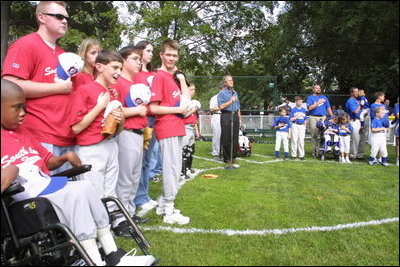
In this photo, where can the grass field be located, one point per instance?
(262, 214)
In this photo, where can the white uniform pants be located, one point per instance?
(378, 144)
(344, 142)
(103, 157)
(216, 129)
(357, 138)
(298, 135)
(282, 137)
(171, 151)
(78, 207)
(190, 137)
(130, 156)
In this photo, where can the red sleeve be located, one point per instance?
(78, 107)
(157, 89)
(43, 152)
(18, 62)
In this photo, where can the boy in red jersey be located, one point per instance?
(87, 121)
(169, 128)
(74, 202)
(130, 140)
(31, 62)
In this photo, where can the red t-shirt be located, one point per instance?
(19, 146)
(191, 119)
(84, 100)
(80, 79)
(30, 58)
(145, 77)
(135, 122)
(167, 93)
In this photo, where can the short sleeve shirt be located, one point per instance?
(165, 91)
(30, 58)
(319, 110)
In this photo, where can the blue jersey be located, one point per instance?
(319, 110)
(296, 111)
(363, 102)
(379, 123)
(285, 120)
(372, 111)
(351, 106)
(344, 132)
(225, 95)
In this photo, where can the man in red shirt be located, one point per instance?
(169, 128)
(31, 62)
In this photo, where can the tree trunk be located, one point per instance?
(5, 14)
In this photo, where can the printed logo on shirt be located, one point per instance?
(49, 71)
(176, 93)
(15, 65)
(22, 155)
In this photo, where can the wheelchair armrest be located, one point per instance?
(13, 189)
(74, 171)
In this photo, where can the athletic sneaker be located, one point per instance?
(123, 258)
(146, 207)
(176, 218)
(347, 160)
(373, 162)
(384, 164)
(161, 211)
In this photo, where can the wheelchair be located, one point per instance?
(31, 233)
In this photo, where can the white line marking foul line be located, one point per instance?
(231, 232)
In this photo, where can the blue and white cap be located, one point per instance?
(69, 65)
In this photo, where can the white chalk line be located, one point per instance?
(231, 232)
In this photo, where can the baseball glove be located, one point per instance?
(147, 135)
(110, 126)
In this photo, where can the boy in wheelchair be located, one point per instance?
(75, 203)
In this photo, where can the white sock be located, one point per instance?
(106, 240)
(92, 250)
(169, 208)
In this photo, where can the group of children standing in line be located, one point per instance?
(336, 131)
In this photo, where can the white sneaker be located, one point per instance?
(176, 218)
(385, 164)
(348, 160)
(161, 211)
(132, 260)
(146, 207)
(341, 159)
(328, 149)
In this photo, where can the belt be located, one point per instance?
(229, 112)
(317, 115)
(217, 112)
(299, 123)
(136, 131)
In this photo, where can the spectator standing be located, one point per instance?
(318, 107)
(216, 127)
(354, 108)
(229, 104)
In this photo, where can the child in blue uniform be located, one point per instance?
(282, 125)
(345, 130)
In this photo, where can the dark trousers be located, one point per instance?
(226, 119)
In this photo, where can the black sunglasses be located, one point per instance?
(58, 16)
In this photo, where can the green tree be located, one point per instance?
(96, 19)
(353, 42)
